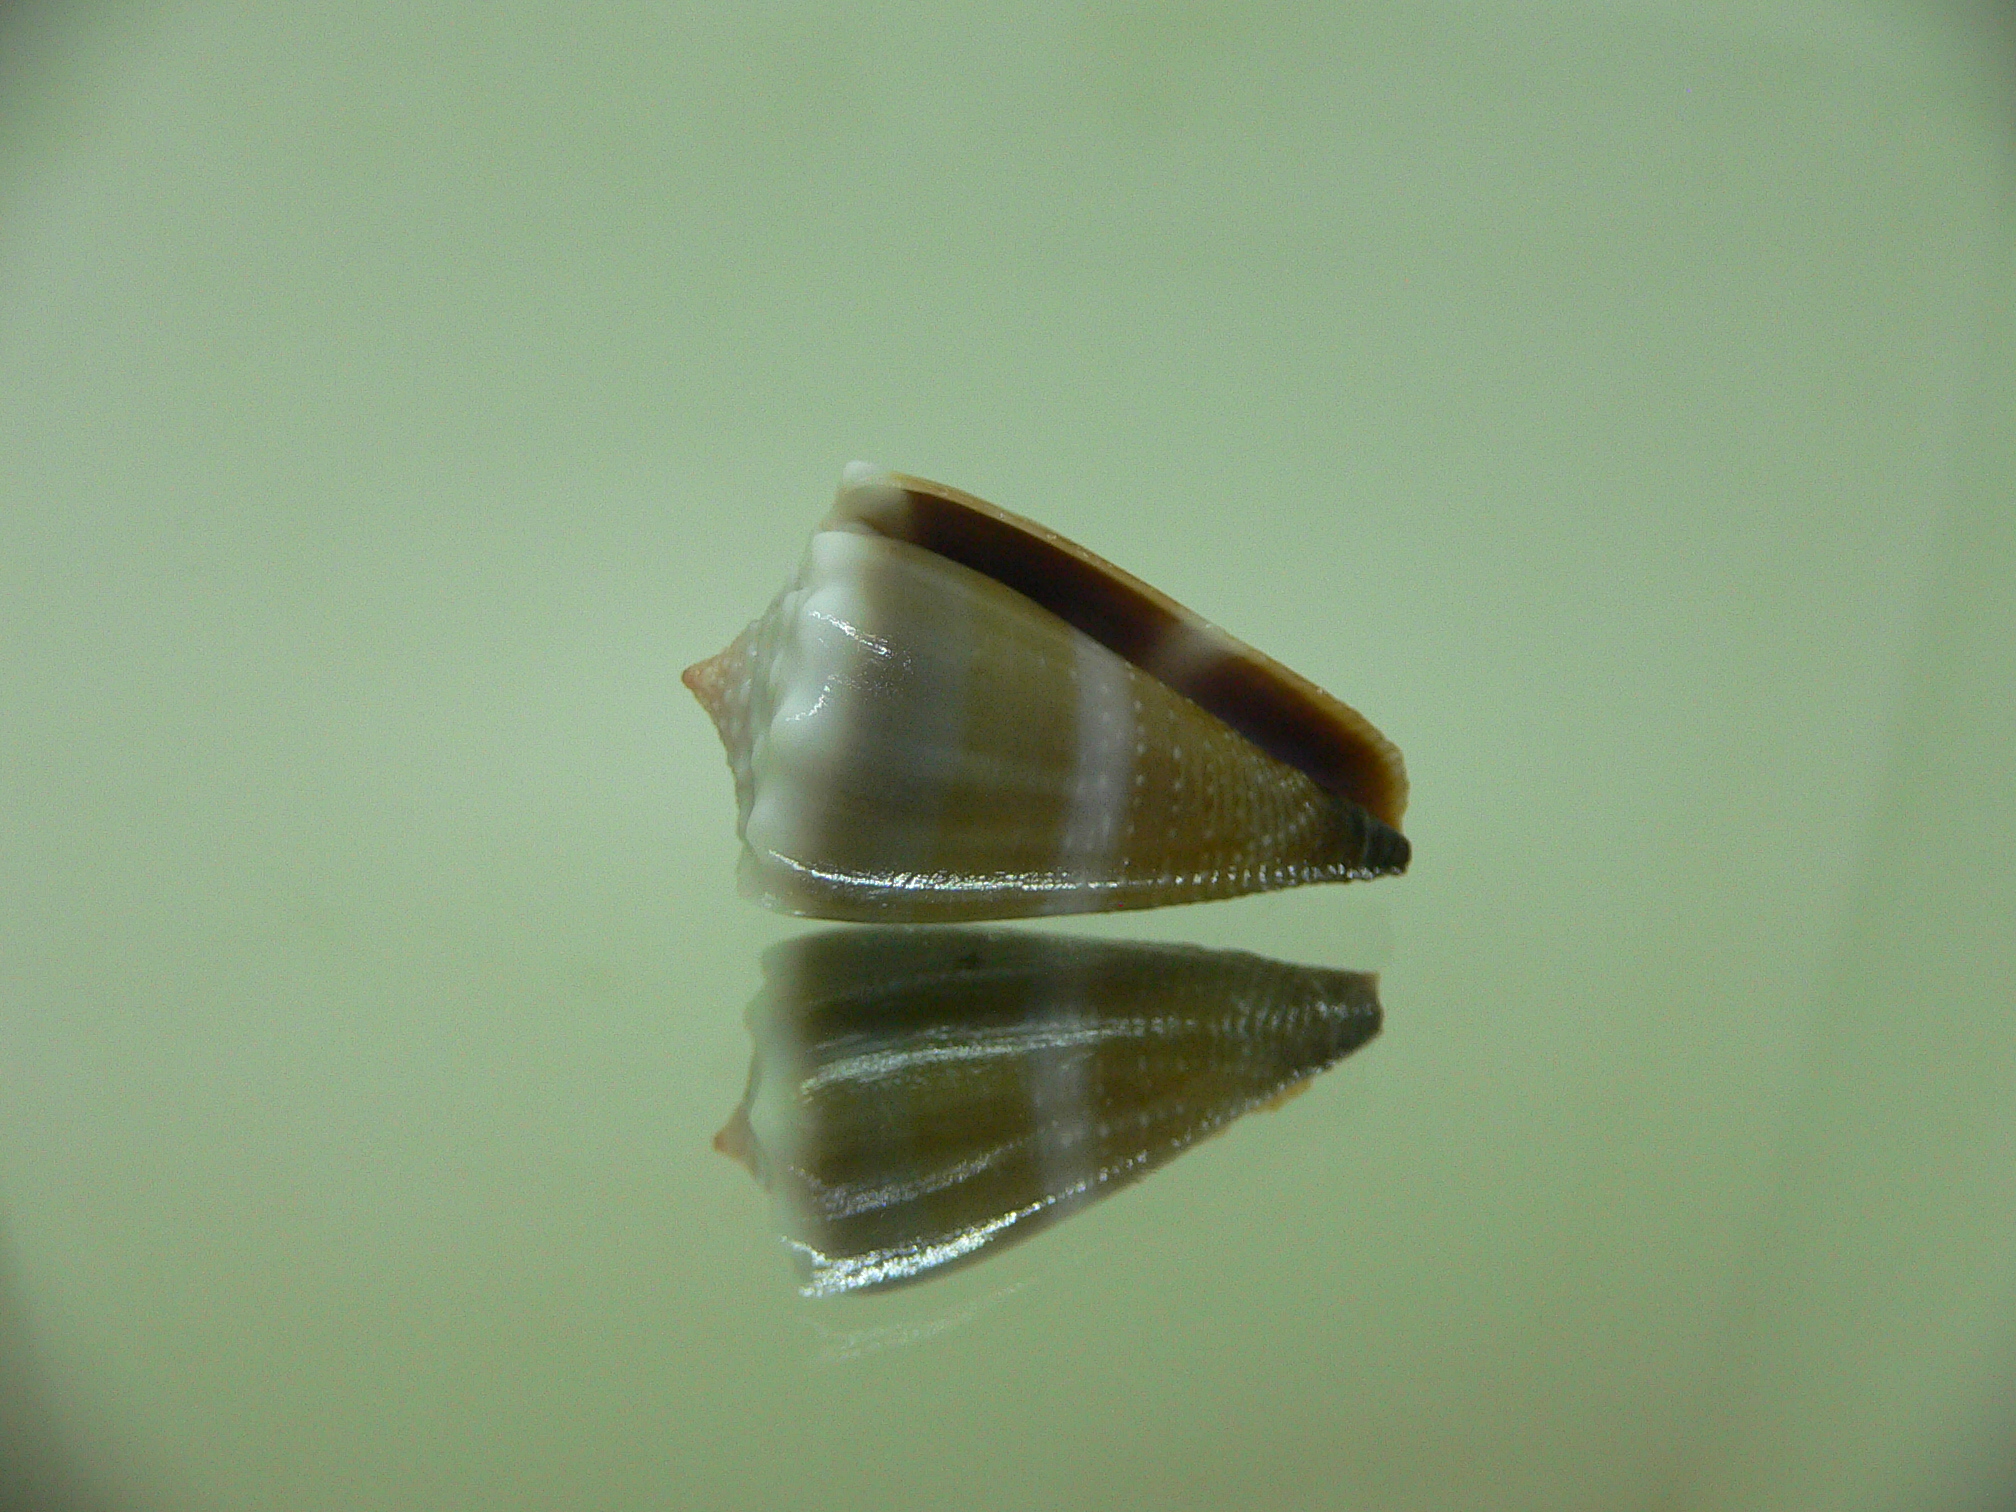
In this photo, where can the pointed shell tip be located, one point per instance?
(736, 1138)
(708, 681)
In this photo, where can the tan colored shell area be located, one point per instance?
(953, 715)
(1214, 817)
(1277, 709)
(962, 781)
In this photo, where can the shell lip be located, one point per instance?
(1281, 712)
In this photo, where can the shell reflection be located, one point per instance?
(951, 713)
(918, 1098)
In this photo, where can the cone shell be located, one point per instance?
(919, 1098)
(951, 713)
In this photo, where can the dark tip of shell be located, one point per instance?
(1387, 851)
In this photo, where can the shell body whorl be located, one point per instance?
(917, 739)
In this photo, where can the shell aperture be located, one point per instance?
(919, 1098)
(952, 714)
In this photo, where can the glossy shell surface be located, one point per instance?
(918, 1098)
(953, 714)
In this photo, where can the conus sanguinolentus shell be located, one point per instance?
(918, 1098)
(951, 713)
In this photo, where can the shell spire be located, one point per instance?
(953, 713)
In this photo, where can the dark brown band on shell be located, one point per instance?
(1282, 713)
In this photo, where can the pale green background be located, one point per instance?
(1615, 401)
